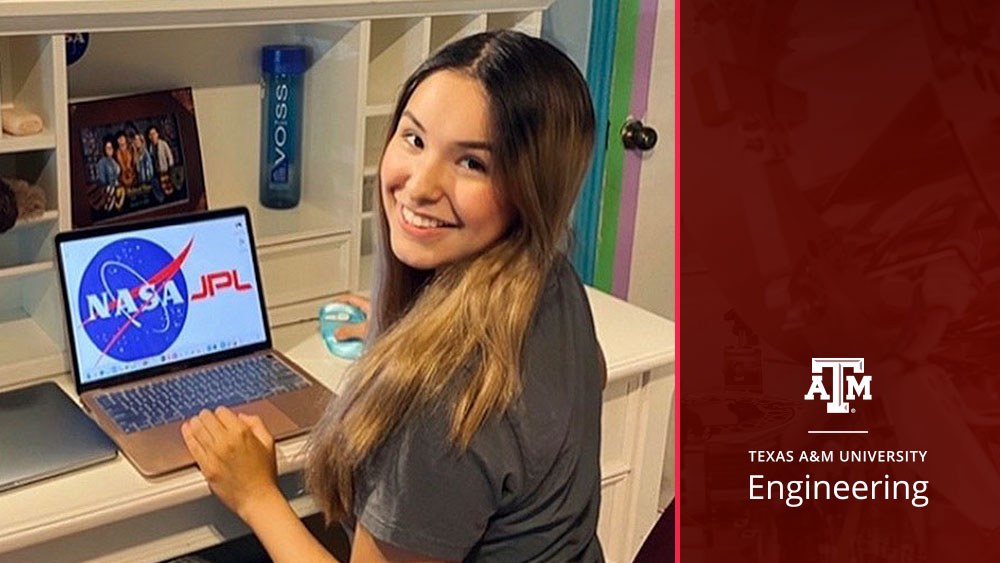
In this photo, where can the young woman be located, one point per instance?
(163, 159)
(107, 167)
(471, 426)
(112, 194)
(142, 158)
(123, 155)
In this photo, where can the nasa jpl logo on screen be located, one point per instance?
(133, 299)
(845, 387)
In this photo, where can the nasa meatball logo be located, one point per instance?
(133, 299)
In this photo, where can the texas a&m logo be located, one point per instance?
(845, 387)
(133, 298)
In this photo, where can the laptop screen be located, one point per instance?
(147, 297)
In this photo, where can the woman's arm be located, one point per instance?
(286, 539)
(236, 455)
(368, 549)
(281, 532)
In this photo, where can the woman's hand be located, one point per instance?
(236, 455)
(354, 330)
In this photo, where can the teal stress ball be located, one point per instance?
(331, 317)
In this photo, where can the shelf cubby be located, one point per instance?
(529, 22)
(367, 251)
(38, 167)
(366, 272)
(28, 246)
(227, 96)
(368, 187)
(27, 81)
(398, 46)
(31, 325)
(27, 249)
(376, 129)
(367, 235)
(445, 29)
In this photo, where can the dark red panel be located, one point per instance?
(839, 198)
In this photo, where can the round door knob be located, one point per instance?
(636, 136)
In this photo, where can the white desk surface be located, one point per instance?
(633, 340)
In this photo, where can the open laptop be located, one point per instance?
(167, 317)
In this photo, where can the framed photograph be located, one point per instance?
(135, 157)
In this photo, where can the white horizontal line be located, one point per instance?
(838, 431)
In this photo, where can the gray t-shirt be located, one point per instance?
(528, 487)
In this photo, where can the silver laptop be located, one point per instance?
(43, 434)
(166, 318)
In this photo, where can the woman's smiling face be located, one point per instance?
(437, 189)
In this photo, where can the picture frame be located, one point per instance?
(135, 157)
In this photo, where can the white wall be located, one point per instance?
(651, 282)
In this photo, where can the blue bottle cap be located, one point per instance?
(284, 59)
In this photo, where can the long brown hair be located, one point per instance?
(460, 328)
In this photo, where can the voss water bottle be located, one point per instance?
(281, 124)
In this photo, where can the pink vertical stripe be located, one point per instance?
(645, 34)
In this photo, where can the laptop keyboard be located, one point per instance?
(235, 382)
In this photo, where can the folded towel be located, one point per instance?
(17, 121)
(30, 198)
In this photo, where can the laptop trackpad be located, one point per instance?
(276, 422)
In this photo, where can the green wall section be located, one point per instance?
(621, 95)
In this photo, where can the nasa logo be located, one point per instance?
(133, 299)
